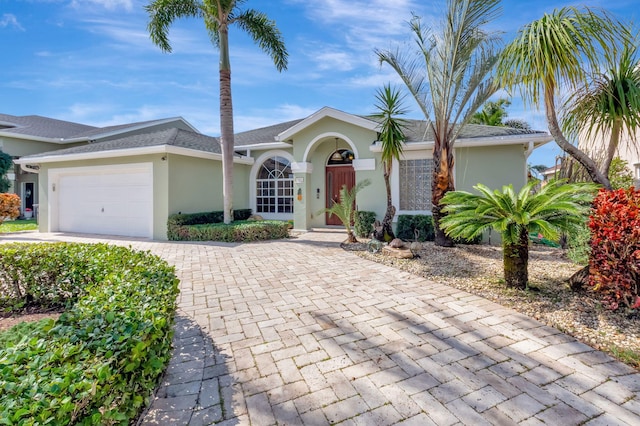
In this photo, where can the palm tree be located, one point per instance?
(449, 76)
(345, 208)
(555, 208)
(547, 56)
(492, 113)
(389, 105)
(609, 105)
(218, 16)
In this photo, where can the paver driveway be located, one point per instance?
(306, 333)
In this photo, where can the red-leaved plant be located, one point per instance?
(9, 206)
(614, 264)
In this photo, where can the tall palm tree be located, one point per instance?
(609, 105)
(390, 107)
(450, 77)
(218, 16)
(555, 208)
(549, 55)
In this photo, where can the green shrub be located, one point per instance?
(239, 231)
(175, 221)
(409, 224)
(100, 361)
(364, 223)
(579, 245)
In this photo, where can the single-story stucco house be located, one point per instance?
(130, 184)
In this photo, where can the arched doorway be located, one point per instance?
(338, 172)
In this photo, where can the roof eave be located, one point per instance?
(129, 152)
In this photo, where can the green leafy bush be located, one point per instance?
(364, 223)
(579, 247)
(409, 224)
(99, 362)
(176, 221)
(239, 231)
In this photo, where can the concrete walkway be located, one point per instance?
(301, 332)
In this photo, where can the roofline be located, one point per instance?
(538, 139)
(263, 146)
(98, 135)
(129, 152)
(323, 113)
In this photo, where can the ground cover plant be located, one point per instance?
(18, 225)
(100, 360)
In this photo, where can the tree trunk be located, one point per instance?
(516, 261)
(441, 184)
(386, 232)
(589, 165)
(580, 279)
(226, 125)
(351, 237)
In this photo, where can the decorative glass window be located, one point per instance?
(274, 186)
(415, 184)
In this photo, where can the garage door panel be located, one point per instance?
(111, 203)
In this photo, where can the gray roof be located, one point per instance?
(419, 131)
(34, 125)
(37, 126)
(173, 137)
(263, 135)
(415, 131)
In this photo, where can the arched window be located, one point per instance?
(274, 186)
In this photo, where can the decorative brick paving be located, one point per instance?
(301, 332)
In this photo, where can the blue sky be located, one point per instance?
(92, 62)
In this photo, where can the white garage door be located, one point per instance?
(110, 201)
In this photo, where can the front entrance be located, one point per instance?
(336, 176)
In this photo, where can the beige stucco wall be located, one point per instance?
(195, 185)
(314, 145)
(21, 147)
(493, 166)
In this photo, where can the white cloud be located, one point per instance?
(107, 4)
(10, 20)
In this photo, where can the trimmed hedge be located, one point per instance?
(239, 231)
(409, 224)
(364, 223)
(176, 221)
(100, 361)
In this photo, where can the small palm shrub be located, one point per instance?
(345, 208)
(555, 208)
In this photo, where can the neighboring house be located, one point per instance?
(29, 135)
(289, 171)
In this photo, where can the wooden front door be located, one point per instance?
(336, 176)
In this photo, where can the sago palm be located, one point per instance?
(218, 16)
(345, 208)
(450, 77)
(391, 133)
(553, 54)
(557, 207)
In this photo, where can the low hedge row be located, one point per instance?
(239, 231)
(177, 221)
(99, 362)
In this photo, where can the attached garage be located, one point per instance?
(109, 200)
